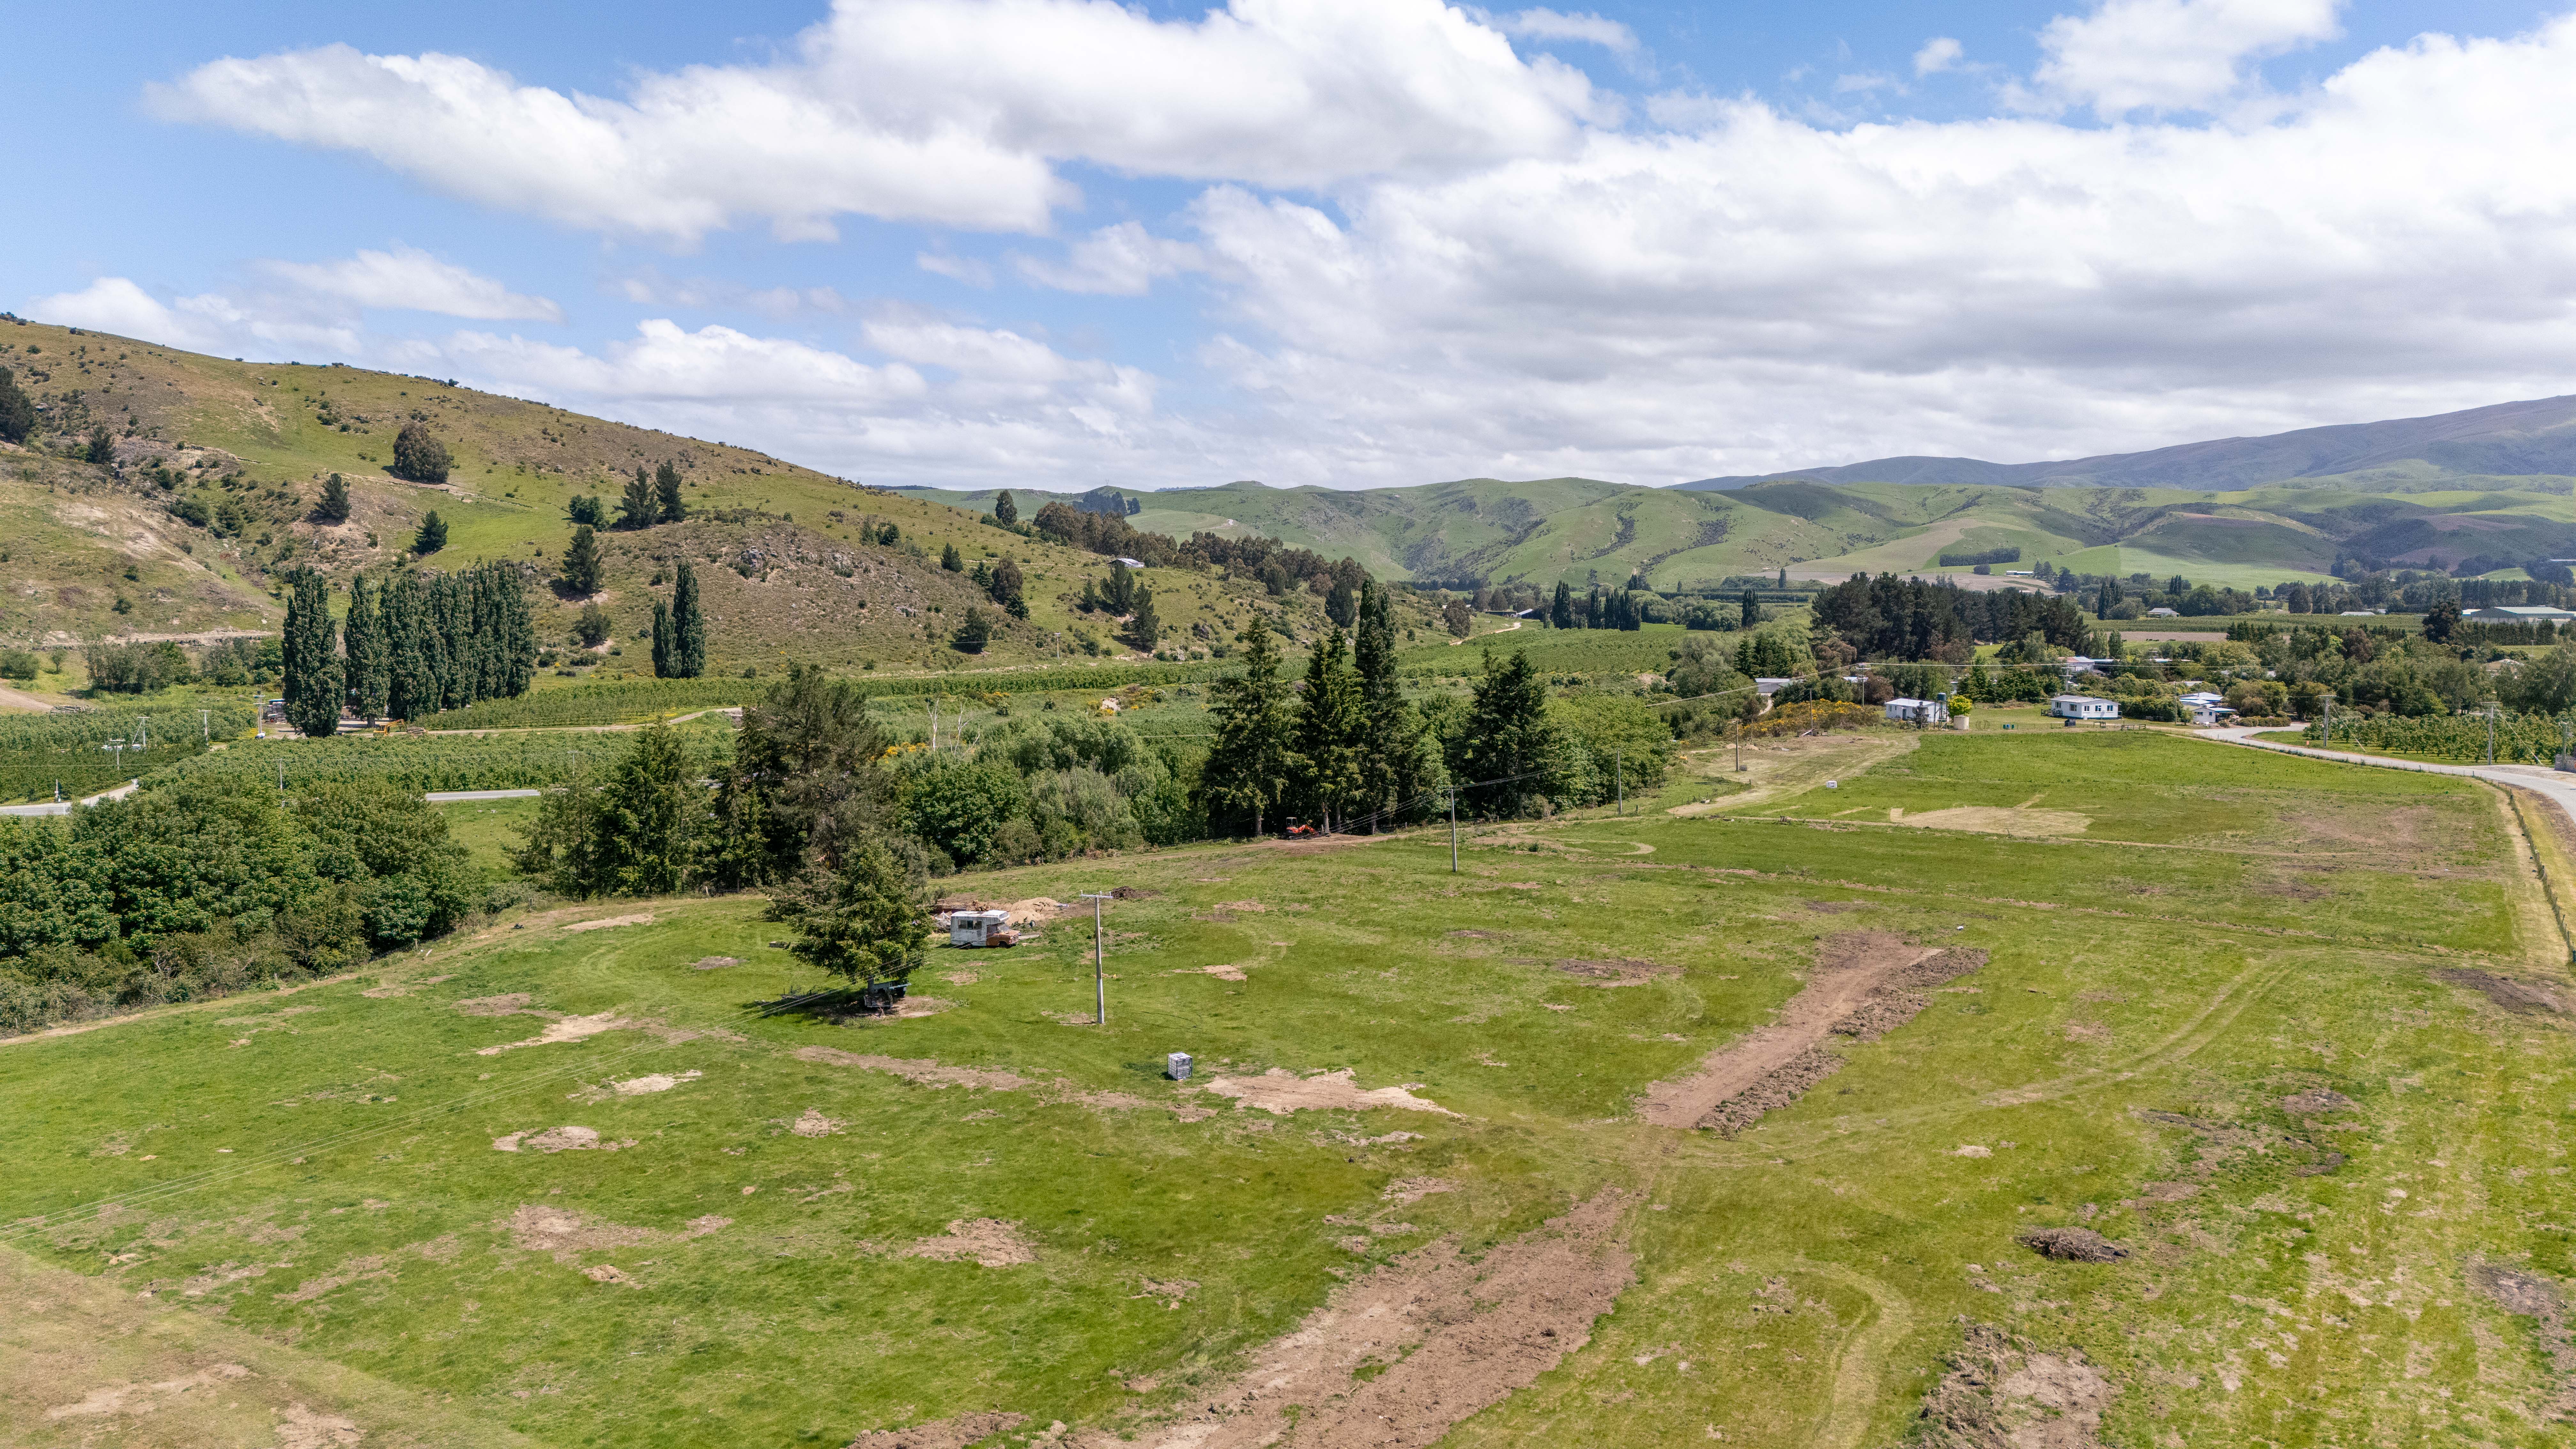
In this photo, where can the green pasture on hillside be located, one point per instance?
(316, 1175)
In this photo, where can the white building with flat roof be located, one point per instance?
(2081, 706)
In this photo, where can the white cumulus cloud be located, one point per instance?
(2171, 55)
(1121, 260)
(409, 279)
(1582, 26)
(1938, 54)
(947, 111)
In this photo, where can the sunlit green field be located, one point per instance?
(308, 1184)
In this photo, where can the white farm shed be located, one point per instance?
(1918, 711)
(972, 928)
(2082, 706)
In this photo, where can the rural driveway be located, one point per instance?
(65, 808)
(2558, 785)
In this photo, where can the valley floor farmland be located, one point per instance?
(2289, 1037)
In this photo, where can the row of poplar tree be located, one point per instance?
(410, 646)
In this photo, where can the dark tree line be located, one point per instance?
(1344, 750)
(1277, 565)
(1887, 617)
(409, 647)
(680, 631)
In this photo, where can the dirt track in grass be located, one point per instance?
(1863, 984)
(1396, 1359)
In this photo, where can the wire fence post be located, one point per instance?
(1099, 962)
(1619, 774)
(1453, 830)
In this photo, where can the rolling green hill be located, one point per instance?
(96, 550)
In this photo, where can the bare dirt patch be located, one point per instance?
(510, 1005)
(954, 1433)
(643, 1086)
(1220, 972)
(1627, 971)
(2527, 1294)
(2505, 991)
(1863, 985)
(926, 1070)
(1410, 1190)
(560, 1139)
(1279, 1092)
(714, 963)
(640, 918)
(2001, 1393)
(2072, 1245)
(536, 1228)
(989, 1241)
(814, 1124)
(1448, 1336)
(1996, 820)
(2316, 1103)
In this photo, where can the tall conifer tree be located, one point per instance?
(665, 659)
(1331, 733)
(669, 507)
(1249, 769)
(688, 626)
(1507, 749)
(639, 506)
(363, 646)
(313, 677)
(1390, 767)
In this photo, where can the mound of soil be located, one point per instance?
(989, 1241)
(1279, 1092)
(2000, 1393)
(1627, 971)
(2072, 1245)
(1447, 1336)
(1864, 985)
(954, 1433)
(2504, 991)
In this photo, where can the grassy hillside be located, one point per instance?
(2250, 1038)
(1584, 531)
(777, 547)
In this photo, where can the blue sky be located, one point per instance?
(1049, 243)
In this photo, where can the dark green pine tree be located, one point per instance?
(454, 612)
(688, 627)
(313, 677)
(1008, 589)
(411, 676)
(518, 634)
(639, 506)
(1005, 508)
(950, 559)
(1752, 606)
(1507, 752)
(432, 535)
(1331, 734)
(1391, 770)
(1340, 604)
(668, 505)
(581, 564)
(1561, 615)
(363, 647)
(334, 507)
(17, 410)
(665, 658)
(1249, 770)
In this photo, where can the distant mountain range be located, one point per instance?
(2490, 488)
(2515, 439)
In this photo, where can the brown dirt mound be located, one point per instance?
(2000, 1393)
(2072, 1245)
(1451, 1336)
(2504, 991)
(2526, 1294)
(954, 1433)
(1864, 985)
(1627, 971)
(989, 1241)
(926, 1070)
(1279, 1092)
(510, 1005)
